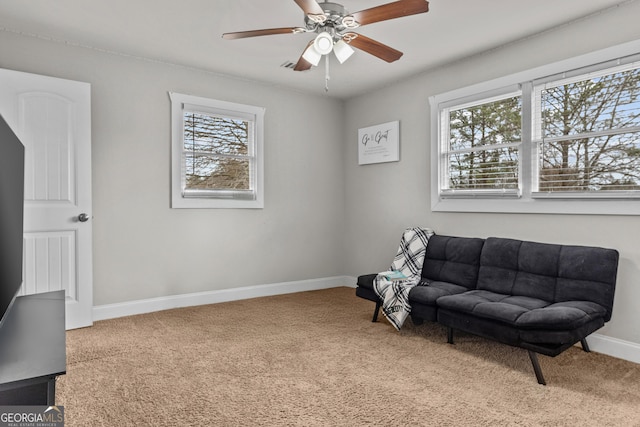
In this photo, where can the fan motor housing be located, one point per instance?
(333, 9)
(333, 12)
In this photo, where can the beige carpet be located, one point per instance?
(315, 358)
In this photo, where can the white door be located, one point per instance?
(52, 117)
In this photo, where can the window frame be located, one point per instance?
(445, 149)
(215, 199)
(529, 201)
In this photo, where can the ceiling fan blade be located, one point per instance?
(373, 47)
(265, 32)
(303, 64)
(393, 10)
(311, 8)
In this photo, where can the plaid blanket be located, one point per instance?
(395, 293)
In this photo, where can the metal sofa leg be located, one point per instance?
(585, 346)
(536, 367)
(450, 335)
(375, 313)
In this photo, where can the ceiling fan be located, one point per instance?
(334, 27)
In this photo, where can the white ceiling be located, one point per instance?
(188, 32)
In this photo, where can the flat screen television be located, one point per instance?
(11, 216)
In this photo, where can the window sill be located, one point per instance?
(539, 206)
(179, 202)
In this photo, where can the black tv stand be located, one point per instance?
(33, 349)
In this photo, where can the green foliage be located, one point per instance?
(484, 148)
(589, 138)
(592, 157)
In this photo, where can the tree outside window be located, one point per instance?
(217, 153)
(590, 134)
(483, 145)
(586, 138)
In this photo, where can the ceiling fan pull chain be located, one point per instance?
(326, 73)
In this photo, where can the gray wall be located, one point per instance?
(324, 215)
(144, 249)
(383, 199)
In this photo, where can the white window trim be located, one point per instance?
(444, 176)
(256, 114)
(526, 203)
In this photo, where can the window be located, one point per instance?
(217, 157)
(565, 143)
(587, 132)
(480, 156)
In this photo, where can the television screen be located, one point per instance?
(11, 215)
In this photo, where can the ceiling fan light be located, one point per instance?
(323, 43)
(311, 55)
(342, 50)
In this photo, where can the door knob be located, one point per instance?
(83, 217)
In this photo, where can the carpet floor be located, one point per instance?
(316, 359)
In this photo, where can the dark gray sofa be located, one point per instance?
(541, 297)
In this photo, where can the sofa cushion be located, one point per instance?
(452, 259)
(556, 273)
(553, 342)
(524, 313)
(515, 267)
(587, 274)
(428, 292)
(562, 315)
(490, 305)
(364, 288)
(366, 280)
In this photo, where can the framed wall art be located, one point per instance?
(379, 143)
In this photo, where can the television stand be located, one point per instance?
(33, 349)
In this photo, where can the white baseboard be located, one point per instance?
(614, 347)
(599, 343)
(130, 308)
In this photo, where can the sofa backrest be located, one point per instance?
(554, 273)
(453, 259)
